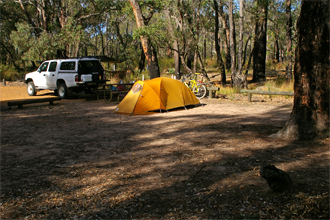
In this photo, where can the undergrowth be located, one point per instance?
(9, 73)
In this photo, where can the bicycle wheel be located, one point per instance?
(200, 91)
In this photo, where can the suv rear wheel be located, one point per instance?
(30, 88)
(62, 91)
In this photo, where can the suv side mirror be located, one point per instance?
(39, 71)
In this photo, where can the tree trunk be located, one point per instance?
(190, 60)
(245, 49)
(217, 46)
(276, 41)
(142, 59)
(185, 66)
(249, 63)
(239, 78)
(232, 40)
(195, 61)
(204, 54)
(259, 55)
(309, 118)
(211, 54)
(276, 50)
(177, 59)
(175, 45)
(202, 66)
(226, 31)
(288, 68)
(240, 42)
(149, 50)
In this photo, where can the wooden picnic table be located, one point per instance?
(112, 89)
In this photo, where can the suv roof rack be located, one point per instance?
(101, 58)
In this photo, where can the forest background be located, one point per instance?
(225, 36)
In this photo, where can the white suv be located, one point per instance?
(77, 74)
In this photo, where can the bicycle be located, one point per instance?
(195, 86)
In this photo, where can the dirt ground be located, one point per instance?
(76, 159)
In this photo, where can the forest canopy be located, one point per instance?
(184, 34)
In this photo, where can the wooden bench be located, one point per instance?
(212, 89)
(121, 93)
(111, 93)
(20, 103)
(107, 88)
(250, 92)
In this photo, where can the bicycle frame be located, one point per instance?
(192, 84)
(195, 86)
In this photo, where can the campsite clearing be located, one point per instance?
(77, 159)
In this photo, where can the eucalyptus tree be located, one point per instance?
(260, 41)
(276, 28)
(288, 68)
(142, 24)
(239, 79)
(217, 46)
(173, 41)
(53, 29)
(237, 76)
(10, 14)
(240, 41)
(178, 33)
(232, 40)
(225, 22)
(185, 20)
(309, 118)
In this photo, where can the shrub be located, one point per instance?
(165, 64)
(280, 84)
(10, 73)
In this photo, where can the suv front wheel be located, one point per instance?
(30, 88)
(62, 91)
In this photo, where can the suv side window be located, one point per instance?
(43, 67)
(52, 67)
(71, 65)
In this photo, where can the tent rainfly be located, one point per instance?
(156, 95)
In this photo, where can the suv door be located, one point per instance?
(51, 75)
(92, 67)
(40, 78)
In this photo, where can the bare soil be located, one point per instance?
(76, 159)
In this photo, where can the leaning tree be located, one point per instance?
(148, 48)
(309, 118)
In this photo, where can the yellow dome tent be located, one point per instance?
(156, 95)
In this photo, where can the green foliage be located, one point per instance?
(46, 45)
(165, 64)
(171, 71)
(138, 75)
(9, 73)
(156, 32)
(211, 64)
(109, 27)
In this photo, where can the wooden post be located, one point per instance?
(210, 94)
(4, 82)
(249, 97)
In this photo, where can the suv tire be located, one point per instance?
(30, 88)
(62, 91)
